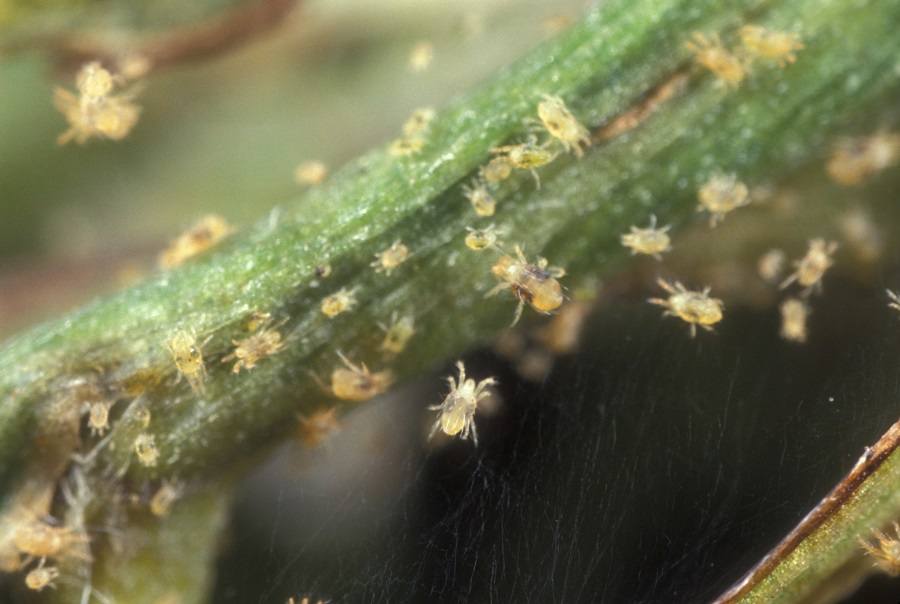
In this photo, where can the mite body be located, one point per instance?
(711, 54)
(808, 271)
(457, 412)
(886, 551)
(562, 126)
(533, 284)
(481, 199)
(650, 241)
(357, 384)
(189, 360)
(254, 348)
(696, 308)
(776, 45)
(721, 194)
(527, 156)
(41, 540)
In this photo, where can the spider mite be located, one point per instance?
(457, 412)
(534, 284)
(694, 307)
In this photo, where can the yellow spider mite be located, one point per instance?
(95, 112)
(527, 156)
(204, 234)
(336, 303)
(358, 384)
(318, 426)
(770, 264)
(856, 160)
(696, 308)
(894, 299)
(497, 170)
(721, 194)
(189, 360)
(886, 551)
(145, 447)
(420, 56)
(481, 239)
(41, 577)
(37, 539)
(481, 199)
(562, 125)
(709, 52)
(419, 121)
(779, 46)
(390, 258)
(310, 172)
(793, 320)
(406, 146)
(254, 348)
(457, 412)
(167, 494)
(810, 269)
(650, 241)
(98, 417)
(535, 284)
(397, 336)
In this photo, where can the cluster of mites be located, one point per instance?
(97, 113)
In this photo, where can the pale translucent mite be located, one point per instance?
(357, 384)
(778, 46)
(189, 360)
(167, 494)
(864, 237)
(481, 239)
(496, 170)
(310, 172)
(205, 233)
(133, 66)
(651, 241)
(257, 319)
(794, 314)
(562, 126)
(419, 122)
(95, 112)
(40, 540)
(420, 56)
(711, 54)
(339, 302)
(856, 160)
(390, 258)
(145, 447)
(406, 146)
(894, 300)
(694, 307)
(721, 194)
(98, 417)
(771, 264)
(481, 199)
(305, 600)
(808, 271)
(252, 349)
(886, 551)
(398, 334)
(41, 577)
(457, 412)
(317, 426)
(534, 284)
(527, 156)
